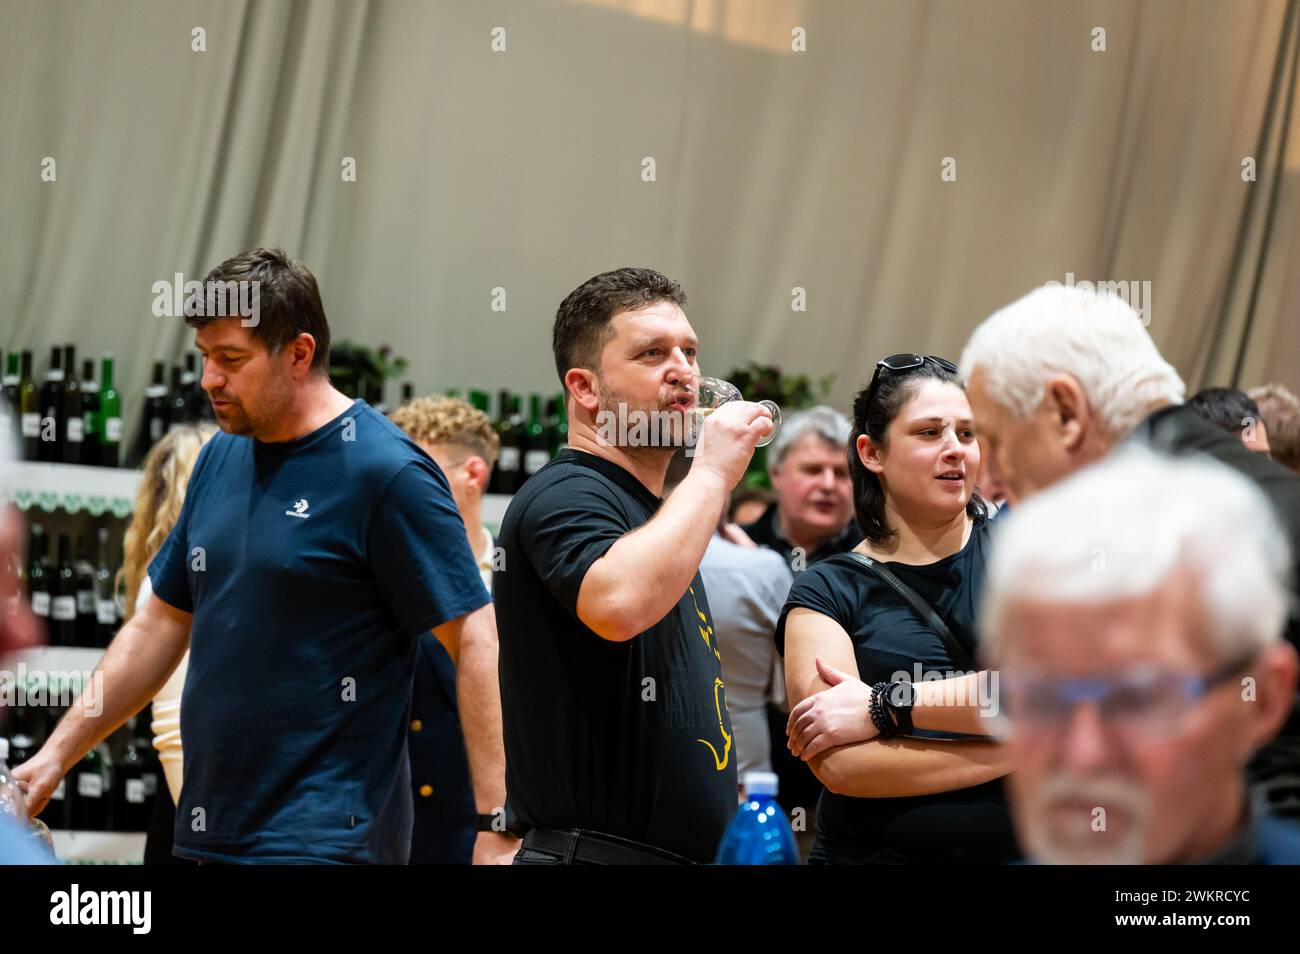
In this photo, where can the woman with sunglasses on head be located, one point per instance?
(911, 775)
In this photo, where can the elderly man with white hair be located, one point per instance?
(1062, 376)
(1140, 668)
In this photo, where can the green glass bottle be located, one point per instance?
(29, 413)
(537, 453)
(12, 427)
(108, 422)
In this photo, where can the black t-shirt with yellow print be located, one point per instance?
(626, 738)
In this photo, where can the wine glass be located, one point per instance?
(712, 393)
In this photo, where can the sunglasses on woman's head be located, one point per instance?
(905, 362)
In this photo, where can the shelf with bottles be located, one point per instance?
(66, 419)
(69, 580)
(110, 790)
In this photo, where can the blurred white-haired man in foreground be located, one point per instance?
(1062, 376)
(1135, 613)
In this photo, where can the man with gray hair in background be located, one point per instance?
(1061, 377)
(812, 517)
(1137, 634)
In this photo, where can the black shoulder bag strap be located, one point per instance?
(960, 658)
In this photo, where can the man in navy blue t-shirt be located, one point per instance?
(316, 544)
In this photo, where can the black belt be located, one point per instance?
(593, 848)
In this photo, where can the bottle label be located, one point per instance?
(85, 602)
(113, 429)
(75, 432)
(31, 425)
(105, 612)
(535, 460)
(150, 780)
(90, 785)
(509, 459)
(41, 604)
(87, 424)
(155, 428)
(63, 608)
(135, 792)
(57, 794)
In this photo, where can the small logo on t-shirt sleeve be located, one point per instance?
(299, 509)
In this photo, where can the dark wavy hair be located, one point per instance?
(872, 415)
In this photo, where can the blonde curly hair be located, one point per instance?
(158, 501)
(431, 420)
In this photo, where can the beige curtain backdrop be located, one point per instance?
(775, 169)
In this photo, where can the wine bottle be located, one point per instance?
(74, 433)
(557, 425)
(105, 606)
(55, 812)
(38, 577)
(536, 452)
(190, 386)
(511, 431)
(63, 597)
(109, 425)
(135, 782)
(508, 459)
(29, 410)
(154, 425)
(87, 622)
(51, 409)
(90, 785)
(10, 413)
(17, 581)
(178, 401)
(90, 451)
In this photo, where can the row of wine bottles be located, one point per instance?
(74, 420)
(527, 443)
(79, 420)
(112, 788)
(73, 597)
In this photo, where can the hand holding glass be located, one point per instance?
(712, 393)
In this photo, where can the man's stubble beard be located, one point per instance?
(610, 400)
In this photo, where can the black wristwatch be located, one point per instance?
(899, 699)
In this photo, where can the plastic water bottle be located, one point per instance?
(759, 834)
(12, 802)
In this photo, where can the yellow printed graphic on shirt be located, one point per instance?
(706, 633)
(719, 763)
(705, 627)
